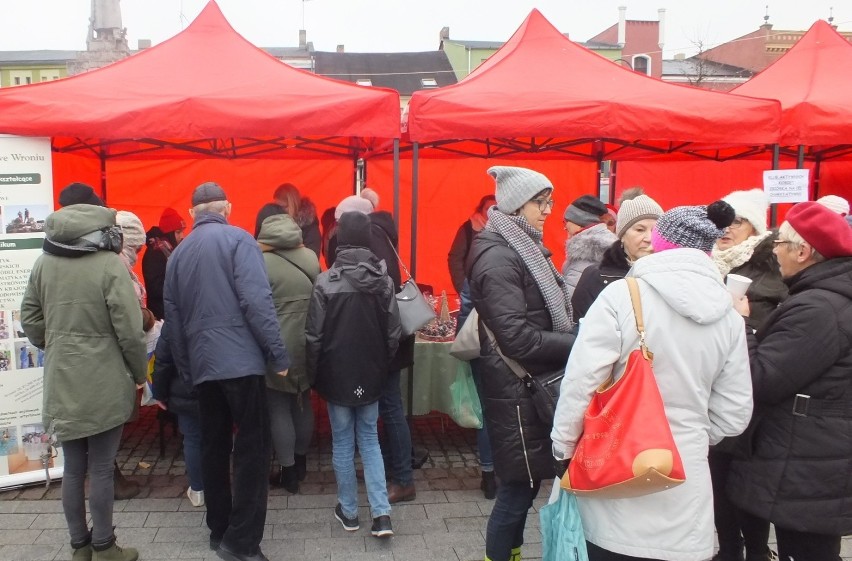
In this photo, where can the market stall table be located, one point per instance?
(434, 371)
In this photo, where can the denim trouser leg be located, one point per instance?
(95, 454)
(349, 424)
(190, 427)
(486, 460)
(508, 518)
(397, 431)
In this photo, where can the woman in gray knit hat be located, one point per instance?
(520, 297)
(637, 216)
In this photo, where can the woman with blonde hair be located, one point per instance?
(303, 211)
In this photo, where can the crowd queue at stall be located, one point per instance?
(750, 329)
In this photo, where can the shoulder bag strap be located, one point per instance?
(398, 258)
(633, 285)
(513, 364)
(290, 261)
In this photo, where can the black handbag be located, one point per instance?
(543, 388)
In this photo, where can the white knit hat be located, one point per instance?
(516, 186)
(835, 203)
(353, 203)
(751, 205)
(131, 228)
(634, 210)
(371, 196)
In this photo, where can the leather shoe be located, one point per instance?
(225, 553)
(398, 493)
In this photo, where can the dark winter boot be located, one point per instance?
(124, 488)
(109, 551)
(301, 466)
(488, 485)
(82, 551)
(285, 478)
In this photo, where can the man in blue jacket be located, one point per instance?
(224, 331)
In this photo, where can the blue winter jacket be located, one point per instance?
(219, 307)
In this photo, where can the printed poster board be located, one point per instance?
(26, 198)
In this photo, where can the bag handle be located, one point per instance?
(636, 300)
(513, 364)
(398, 258)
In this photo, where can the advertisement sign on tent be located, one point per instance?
(26, 198)
(786, 185)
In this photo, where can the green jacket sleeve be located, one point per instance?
(32, 314)
(126, 317)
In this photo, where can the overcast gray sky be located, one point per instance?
(406, 25)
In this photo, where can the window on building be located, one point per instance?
(428, 82)
(642, 64)
(17, 80)
(44, 78)
(56, 77)
(364, 82)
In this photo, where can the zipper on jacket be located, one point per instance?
(524, 445)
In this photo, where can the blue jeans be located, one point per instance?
(508, 518)
(190, 428)
(349, 424)
(397, 431)
(486, 459)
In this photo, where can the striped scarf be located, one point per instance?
(526, 241)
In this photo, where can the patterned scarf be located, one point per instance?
(729, 259)
(526, 241)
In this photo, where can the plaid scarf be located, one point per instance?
(526, 241)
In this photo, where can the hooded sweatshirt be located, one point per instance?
(292, 270)
(701, 367)
(81, 308)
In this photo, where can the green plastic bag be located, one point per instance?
(562, 537)
(466, 410)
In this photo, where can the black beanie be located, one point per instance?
(79, 194)
(353, 230)
(267, 210)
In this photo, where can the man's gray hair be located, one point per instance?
(788, 233)
(216, 207)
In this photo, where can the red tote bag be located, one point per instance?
(627, 448)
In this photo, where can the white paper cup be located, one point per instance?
(738, 285)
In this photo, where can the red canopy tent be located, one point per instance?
(206, 104)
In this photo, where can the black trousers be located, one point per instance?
(234, 416)
(805, 546)
(600, 554)
(734, 526)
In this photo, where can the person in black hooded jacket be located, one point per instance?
(521, 298)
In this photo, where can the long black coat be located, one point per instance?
(595, 278)
(767, 289)
(509, 302)
(799, 474)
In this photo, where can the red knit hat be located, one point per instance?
(171, 221)
(822, 228)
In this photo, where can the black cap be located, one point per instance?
(208, 193)
(79, 194)
(353, 230)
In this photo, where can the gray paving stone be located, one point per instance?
(52, 520)
(29, 552)
(470, 552)
(467, 524)
(304, 530)
(416, 526)
(312, 501)
(157, 550)
(347, 544)
(169, 534)
(129, 519)
(152, 505)
(16, 521)
(396, 543)
(453, 539)
(407, 512)
(274, 502)
(371, 556)
(19, 537)
(198, 550)
(39, 507)
(174, 520)
(452, 510)
(53, 536)
(431, 554)
(428, 497)
(465, 496)
(283, 549)
(135, 537)
(299, 516)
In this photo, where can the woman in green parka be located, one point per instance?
(80, 306)
(292, 270)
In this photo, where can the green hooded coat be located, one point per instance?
(292, 282)
(83, 311)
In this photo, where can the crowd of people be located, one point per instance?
(756, 388)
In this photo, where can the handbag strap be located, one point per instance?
(513, 364)
(290, 261)
(636, 300)
(398, 258)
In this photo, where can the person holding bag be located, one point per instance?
(701, 368)
(520, 297)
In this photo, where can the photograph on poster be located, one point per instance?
(28, 356)
(5, 359)
(35, 443)
(4, 324)
(8, 441)
(25, 219)
(17, 328)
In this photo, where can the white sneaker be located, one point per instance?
(195, 497)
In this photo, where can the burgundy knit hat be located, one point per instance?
(171, 221)
(822, 228)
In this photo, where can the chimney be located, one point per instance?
(680, 56)
(661, 16)
(444, 35)
(303, 38)
(340, 48)
(622, 25)
(143, 44)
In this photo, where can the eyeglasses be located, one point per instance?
(737, 223)
(779, 242)
(543, 203)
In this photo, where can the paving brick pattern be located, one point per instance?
(445, 523)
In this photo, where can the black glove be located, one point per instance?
(560, 466)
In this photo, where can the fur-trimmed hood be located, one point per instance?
(586, 248)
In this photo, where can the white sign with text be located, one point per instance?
(786, 185)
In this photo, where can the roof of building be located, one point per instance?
(36, 57)
(290, 52)
(692, 66)
(476, 44)
(400, 71)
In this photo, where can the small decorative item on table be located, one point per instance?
(443, 327)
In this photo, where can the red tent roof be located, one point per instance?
(813, 82)
(544, 92)
(207, 82)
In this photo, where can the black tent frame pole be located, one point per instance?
(773, 208)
